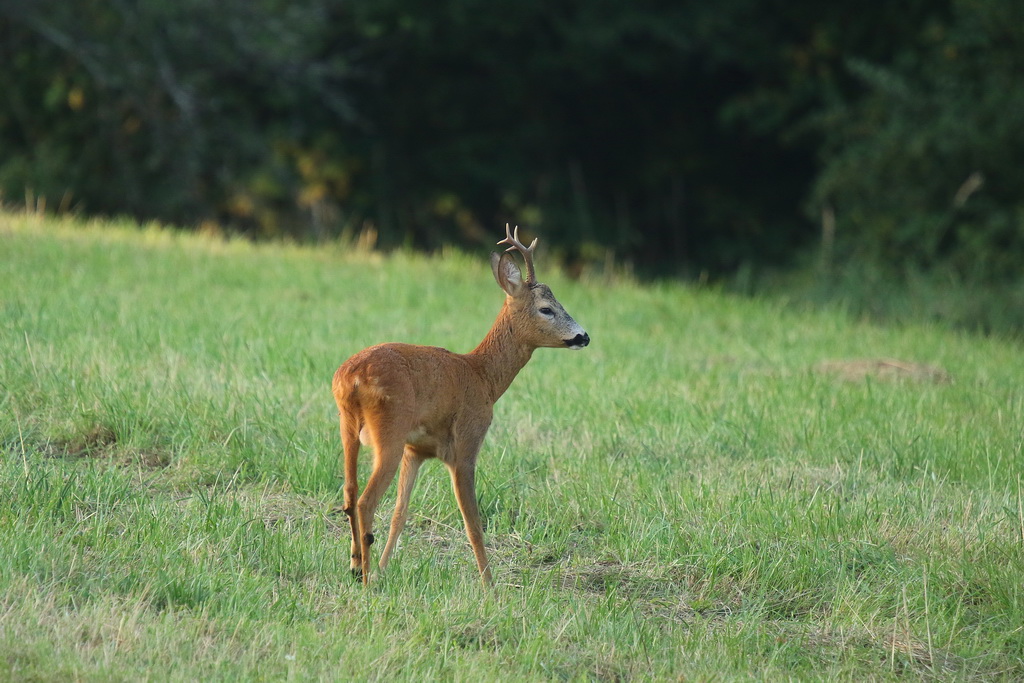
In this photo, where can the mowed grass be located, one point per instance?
(717, 488)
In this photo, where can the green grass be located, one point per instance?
(886, 292)
(695, 495)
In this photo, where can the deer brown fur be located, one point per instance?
(412, 403)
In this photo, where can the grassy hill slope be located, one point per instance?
(716, 487)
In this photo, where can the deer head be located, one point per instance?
(541, 320)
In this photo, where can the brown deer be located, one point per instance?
(411, 403)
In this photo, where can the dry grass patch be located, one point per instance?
(887, 369)
(100, 443)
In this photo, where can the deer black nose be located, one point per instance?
(579, 341)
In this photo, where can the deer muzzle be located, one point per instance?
(578, 342)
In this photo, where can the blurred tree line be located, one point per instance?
(685, 135)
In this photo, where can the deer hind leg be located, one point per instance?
(387, 457)
(350, 444)
(411, 462)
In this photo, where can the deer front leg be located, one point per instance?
(464, 483)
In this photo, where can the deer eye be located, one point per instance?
(546, 311)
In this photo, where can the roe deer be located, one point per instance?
(413, 402)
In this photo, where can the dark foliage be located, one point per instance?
(686, 136)
(924, 169)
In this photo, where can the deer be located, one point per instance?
(411, 403)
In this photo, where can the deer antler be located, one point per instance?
(527, 252)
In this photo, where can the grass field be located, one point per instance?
(717, 488)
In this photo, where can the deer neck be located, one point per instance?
(501, 354)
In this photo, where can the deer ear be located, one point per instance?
(507, 274)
